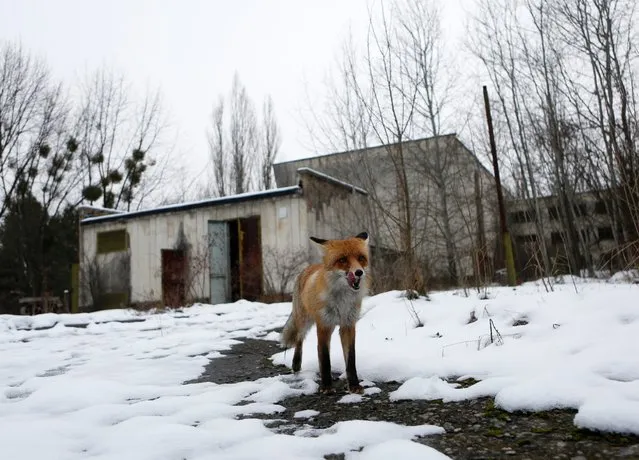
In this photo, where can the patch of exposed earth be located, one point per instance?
(474, 429)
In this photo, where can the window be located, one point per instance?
(526, 239)
(113, 241)
(581, 209)
(553, 212)
(520, 217)
(557, 238)
(605, 233)
(601, 208)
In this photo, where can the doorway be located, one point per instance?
(173, 277)
(236, 260)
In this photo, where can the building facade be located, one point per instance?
(540, 225)
(434, 186)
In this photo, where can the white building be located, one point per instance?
(215, 250)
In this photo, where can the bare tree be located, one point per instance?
(603, 35)
(340, 121)
(382, 88)
(217, 147)
(243, 137)
(396, 92)
(495, 40)
(421, 38)
(29, 113)
(270, 145)
(242, 147)
(117, 137)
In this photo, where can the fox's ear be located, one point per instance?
(363, 236)
(318, 241)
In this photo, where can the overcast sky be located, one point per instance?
(192, 48)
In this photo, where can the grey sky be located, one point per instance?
(192, 48)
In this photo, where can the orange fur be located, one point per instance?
(328, 295)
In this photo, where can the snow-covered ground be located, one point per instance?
(115, 390)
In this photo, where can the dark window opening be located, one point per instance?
(581, 209)
(557, 238)
(605, 233)
(526, 239)
(553, 212)
(601, 207)
(520, 217)
(112, 241)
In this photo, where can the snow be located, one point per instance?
(625, 276)
(351, 399)
(397, 448)
(576, 348)
(48, 320)
(116, 390)
(308, 413)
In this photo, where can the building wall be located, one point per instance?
(284, 222)
(592, 221)
(373, 170)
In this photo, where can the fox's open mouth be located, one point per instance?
(353, 281)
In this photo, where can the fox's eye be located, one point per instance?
(361, 259)
(342, 260)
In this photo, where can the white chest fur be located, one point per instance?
(342, 302)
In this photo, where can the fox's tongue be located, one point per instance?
(353, 281)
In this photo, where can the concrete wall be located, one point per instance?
(374, 170)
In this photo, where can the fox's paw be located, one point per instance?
(357, 389)
(324, 390)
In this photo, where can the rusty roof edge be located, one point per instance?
(331, 179)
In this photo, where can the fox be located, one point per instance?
(330, 294)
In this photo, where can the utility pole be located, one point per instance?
(505, 234)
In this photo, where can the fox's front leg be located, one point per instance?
(324, 334)
(347, 334)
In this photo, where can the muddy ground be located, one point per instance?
(474, 429)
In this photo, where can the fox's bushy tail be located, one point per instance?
(291, 334)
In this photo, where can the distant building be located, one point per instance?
(443, 177)
(590, 219)
(215, 250)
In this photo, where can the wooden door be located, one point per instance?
(173, 278)
(251, 276)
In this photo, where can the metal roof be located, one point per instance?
(210, 202)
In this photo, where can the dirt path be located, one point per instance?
(474, 429)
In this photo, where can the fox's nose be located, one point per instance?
(359, 272)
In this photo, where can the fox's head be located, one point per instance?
(349, 258)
